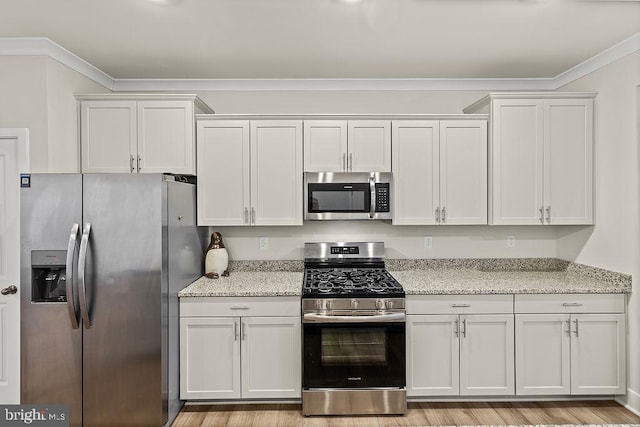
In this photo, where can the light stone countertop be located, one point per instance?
(427, 277)
(247, 284)
(470, 281)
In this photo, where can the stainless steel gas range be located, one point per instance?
(353, 322)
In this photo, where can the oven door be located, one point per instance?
(346, 354)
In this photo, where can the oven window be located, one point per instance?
(348, 355)
(364, 347)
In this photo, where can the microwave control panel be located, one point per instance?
(382, 197)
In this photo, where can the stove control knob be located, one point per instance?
(380, 304)
(329, 304)
(319, 304)
(389, 304)
(354, 304)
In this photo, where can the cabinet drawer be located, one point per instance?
(459, 304)
(569, 303)
(240, 306)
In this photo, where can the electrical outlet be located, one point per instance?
(511, 241)
(428, 242)
(264, 243)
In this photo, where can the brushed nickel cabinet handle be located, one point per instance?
(139, 163)
(131, 166)
(460, 305)
(568, 327)
(456, 329)
(235, 331)
(577, 331)
(548, 213)
(438, 215)
(351, 162)
(253, 216)
(464, 328)
(444, 216)
(541, 214)
(246, 215)
(344, 162)
(571, 304)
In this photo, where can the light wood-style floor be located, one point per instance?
(419, 414)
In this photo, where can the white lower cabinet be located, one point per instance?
(452, 354)
(239, 357)
(580, 349)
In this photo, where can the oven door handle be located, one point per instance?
(376, 318)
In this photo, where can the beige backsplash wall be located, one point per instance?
(243, 243)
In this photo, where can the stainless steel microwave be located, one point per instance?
(347, 195)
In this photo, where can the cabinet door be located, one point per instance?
(209, 358)
(486, 354)
(463, 172)
(598, 354)
(369, 145)
(325, 145)
(276, 172)
(271, 357)
(432, 355)
(568, 161)
(416, 176)
(165, 137)
(108, 135)
(223, 172)
(516, 161)
(542, 354)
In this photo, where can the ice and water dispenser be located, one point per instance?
(48, 276)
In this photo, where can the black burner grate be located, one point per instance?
(348, 282)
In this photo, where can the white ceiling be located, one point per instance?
(291, 39)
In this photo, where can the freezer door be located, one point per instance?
(123, 371)
(51, 349)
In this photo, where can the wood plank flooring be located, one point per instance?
(419, 414)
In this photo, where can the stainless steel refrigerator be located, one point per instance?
(102, 259)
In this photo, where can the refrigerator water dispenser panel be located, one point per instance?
(48, 276)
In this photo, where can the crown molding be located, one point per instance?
(42, 46)
(602, 59)
(36, 46)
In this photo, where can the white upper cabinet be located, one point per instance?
(109, 137)
(325, 145)
(440, 172)
(541, 157)
(249, 172)
(347, 146)
(223, 190)
(137, 133)
(276, 172)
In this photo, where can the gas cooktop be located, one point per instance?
(335, 270)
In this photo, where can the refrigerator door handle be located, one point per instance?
(82, 264)
(71, 300)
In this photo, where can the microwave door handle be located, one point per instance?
(372, 187)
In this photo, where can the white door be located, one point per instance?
(271, 364)
(517, 156)
(463, 172)
(108, 135)
(598, 354)
(165, 137)
(325, 145)
(369, 146)
(276, 172)
(223, 172)
(433, 355)
(543, 359)
(209, 358)
(416, 172)
(568, 161)
(13, 161)
(486, 354)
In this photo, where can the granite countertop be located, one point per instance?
(427, 277)
(468, 281)
(247, 284)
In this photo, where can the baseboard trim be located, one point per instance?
(631, 401)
